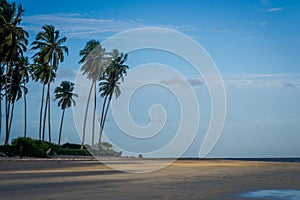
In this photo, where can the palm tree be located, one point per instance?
(94, 62)
(24, 79)
(51, 53)
(13, 37)
(41, 73)
(13, 43)
(64, 94)
(14, 90)
(109, 83)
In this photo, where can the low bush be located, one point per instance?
(7, 150)
(71, 146)
(38, 148)
(74, 152)
(31, 147)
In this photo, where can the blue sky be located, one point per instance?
(255, 45)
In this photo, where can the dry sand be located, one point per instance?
(184, 179)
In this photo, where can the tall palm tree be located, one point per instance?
(14, 90)
(51, 52)
(94, 62)
(41, 73)
(24, 79)
(109, 83)
(65, 96)
(13, 43)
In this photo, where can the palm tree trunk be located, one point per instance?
(0, 115)
(41, 112)
(6, 120)
(6, 109)
(44, 120)
(25, 114)
(106, 111)
(0, 108)
(52, 63)
(61, 123)
(7, 115)
(49, 123)
(94, 114)
(11, 116)
(102, 117)
(85, 116)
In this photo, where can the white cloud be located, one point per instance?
(262, 80)
(64, 73)
(78, 26)
(175, 81)
(275, 9)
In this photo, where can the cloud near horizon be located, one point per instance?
(262, 80)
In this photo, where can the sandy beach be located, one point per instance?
(184, 179)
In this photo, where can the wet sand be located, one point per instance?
(184, 179)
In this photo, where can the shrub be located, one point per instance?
(31, 147)
(38, 148)
(74, 152)
(7, 150)
(71, 146)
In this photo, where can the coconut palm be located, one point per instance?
(13, 43)
(94, 62)
(24, 79)
(14, 90)
(109, 83)
(41, 73)
(65, 96)
(51, 53)
(12, 36)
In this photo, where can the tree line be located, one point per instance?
(105, 69)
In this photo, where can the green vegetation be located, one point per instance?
(38, 148)
(105, 69)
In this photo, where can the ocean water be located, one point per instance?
(274, 194)
(267, 159)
